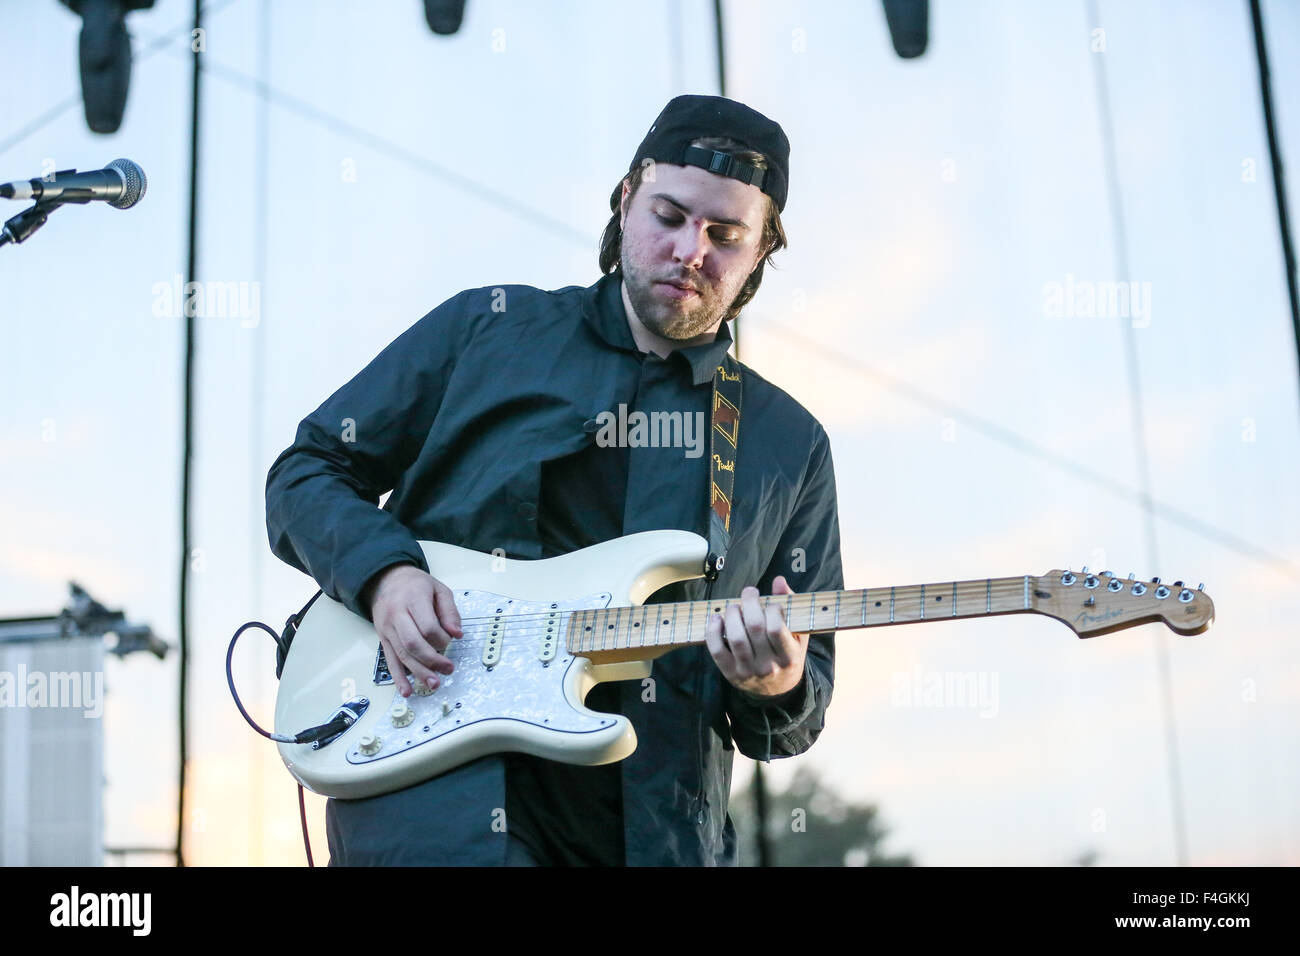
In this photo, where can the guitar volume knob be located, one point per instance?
(369, 745)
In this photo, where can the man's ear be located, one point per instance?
(622, 206)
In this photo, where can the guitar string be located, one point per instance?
(477, 634)
(943, 589)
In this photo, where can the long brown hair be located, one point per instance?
(772, 239)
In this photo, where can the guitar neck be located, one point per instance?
(656, 627)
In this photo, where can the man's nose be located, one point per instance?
(690, 245)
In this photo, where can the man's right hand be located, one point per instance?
(416, 619)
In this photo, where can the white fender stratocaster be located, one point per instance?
(538, 635)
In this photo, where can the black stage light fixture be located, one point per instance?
(908, 26)
(105, 55)
(444, 16)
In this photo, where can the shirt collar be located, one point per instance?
(603, 307)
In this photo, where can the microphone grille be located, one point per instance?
(133, 176)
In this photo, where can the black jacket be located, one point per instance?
(456, 417)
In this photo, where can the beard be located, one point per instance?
(675, 319)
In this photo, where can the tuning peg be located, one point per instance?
(1201, 586)
(1155, 580)
(1178, 584)
(1085, 569)
(1130, 575)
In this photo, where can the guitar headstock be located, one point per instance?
(1092, 604)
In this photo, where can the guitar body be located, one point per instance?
(515, 686)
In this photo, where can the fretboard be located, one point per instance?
(683, 623)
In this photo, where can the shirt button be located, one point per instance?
(528, 511)
(591, 426)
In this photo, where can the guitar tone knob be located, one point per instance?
(369, 745)
(420, 688)
(401, 713)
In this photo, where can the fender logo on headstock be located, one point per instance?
(1084, 617)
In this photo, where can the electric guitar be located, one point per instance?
(538, 635)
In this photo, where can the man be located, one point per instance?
(484, 420)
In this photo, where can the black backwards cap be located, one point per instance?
(691, 117)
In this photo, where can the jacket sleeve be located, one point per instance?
(322, 493)
(809, 557)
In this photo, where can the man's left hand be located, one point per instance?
(754, 648)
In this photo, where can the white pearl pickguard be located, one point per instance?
(519, 686)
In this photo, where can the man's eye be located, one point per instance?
(720, 240)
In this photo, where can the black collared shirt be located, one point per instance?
(458, 416)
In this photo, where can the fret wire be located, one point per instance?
(954, 598)
(838, 595)
(864, 607)
(923, 602)
(891, 604)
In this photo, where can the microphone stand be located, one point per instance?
(28, 221)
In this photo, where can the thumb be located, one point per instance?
(781, 586)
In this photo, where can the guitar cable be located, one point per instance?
(336, 726)
(340, 723)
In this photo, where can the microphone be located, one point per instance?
(121, 184)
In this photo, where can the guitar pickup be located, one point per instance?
(550, 637)
(492, 650)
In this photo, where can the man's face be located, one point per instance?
(689, 228)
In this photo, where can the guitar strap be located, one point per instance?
(724, 445)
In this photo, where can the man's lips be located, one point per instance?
(677, 291)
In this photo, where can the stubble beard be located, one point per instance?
(665, 317)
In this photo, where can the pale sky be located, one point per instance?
(933, 203)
